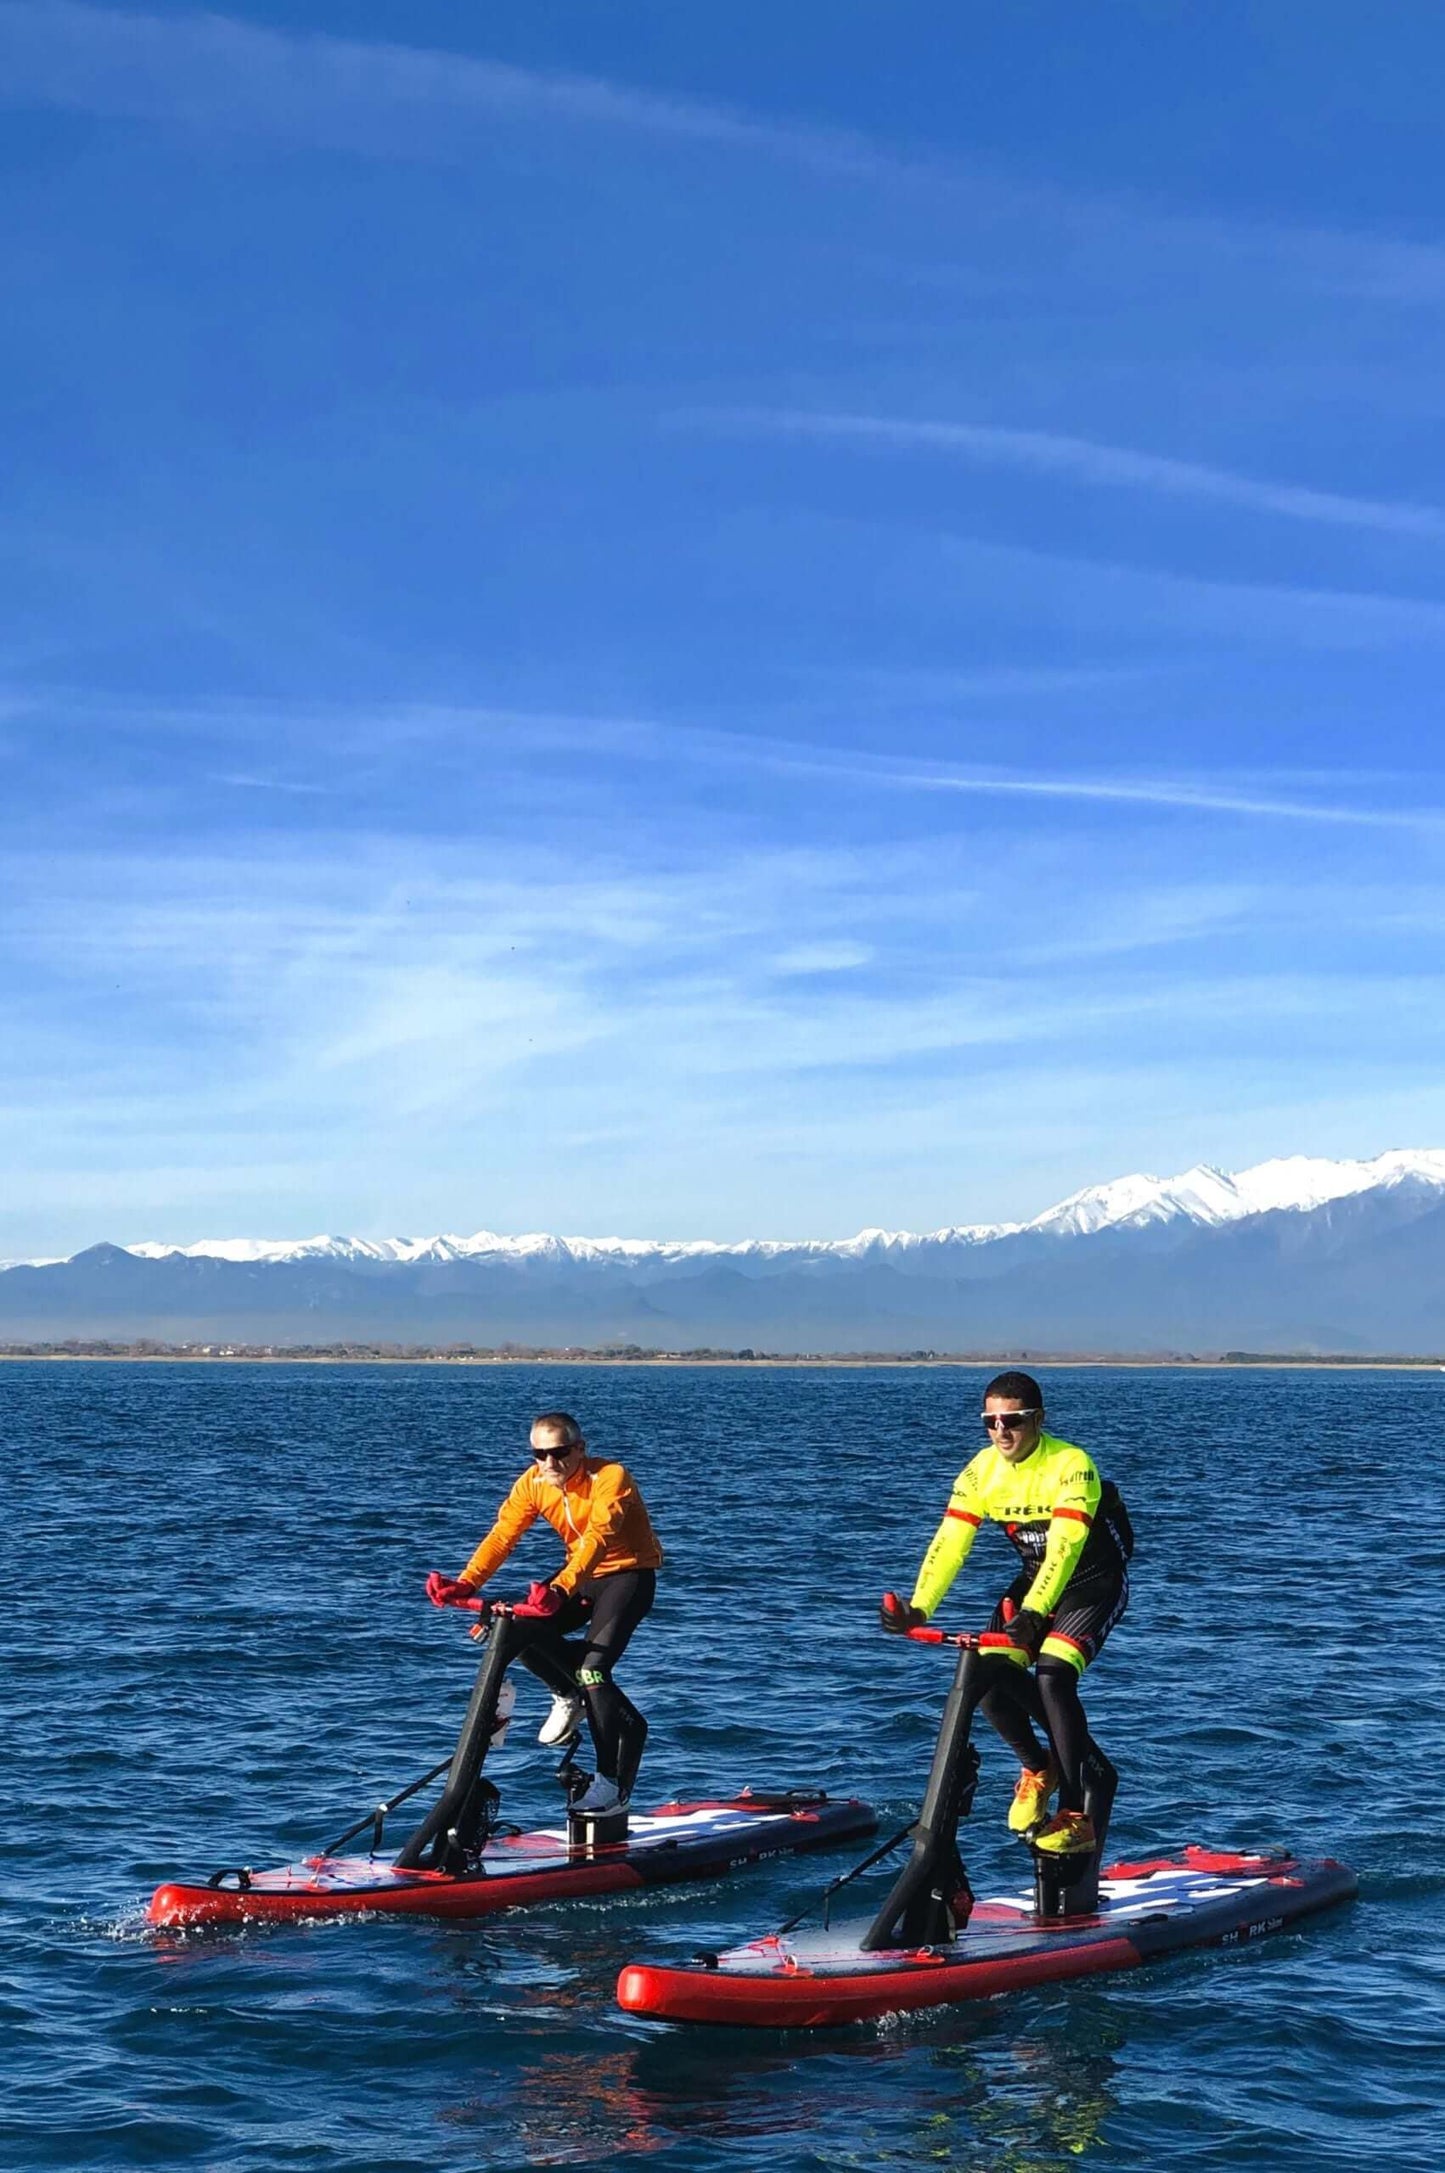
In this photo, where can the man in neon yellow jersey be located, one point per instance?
(1072, 1535)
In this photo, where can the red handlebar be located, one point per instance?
(484, 1607)
(966, 1640)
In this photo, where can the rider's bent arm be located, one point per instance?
(948, 1549)
(612, 1492)
(1072, 1520)
(516, 1514)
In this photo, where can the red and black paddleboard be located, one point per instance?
(678, 1841)
(811, 1979)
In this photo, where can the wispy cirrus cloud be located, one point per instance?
(324, 743)
(1085, 460)
(213, 72)
(1339, 801)
(379, 1033)
(811, 958)
(1180, 794)
(209, 69)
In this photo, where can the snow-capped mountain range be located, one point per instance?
(1300, 1254)
(1202, 1195)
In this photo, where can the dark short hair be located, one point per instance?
(1020, 1387)
(560, 1422)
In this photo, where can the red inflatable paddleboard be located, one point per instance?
(678, 1841)
(813, 1979)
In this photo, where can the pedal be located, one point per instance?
(1065, 1886)
(589, 1831)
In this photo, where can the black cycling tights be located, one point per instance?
(617, 1729)
(609, 1610)
(1054, 1701)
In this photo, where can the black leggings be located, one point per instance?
(608, 1609)
(1053, 1700)
(1085, 1615)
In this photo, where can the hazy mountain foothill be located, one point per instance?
(1299, 1256)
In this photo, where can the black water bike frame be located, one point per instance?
(458, 1822)
(930, 1900)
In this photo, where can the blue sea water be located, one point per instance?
(216, 1650)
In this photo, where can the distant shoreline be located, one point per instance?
(736, 1361)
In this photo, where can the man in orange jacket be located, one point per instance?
(604, 1588)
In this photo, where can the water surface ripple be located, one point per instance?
(217, 1652)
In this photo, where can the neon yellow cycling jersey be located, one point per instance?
(1047, 1505)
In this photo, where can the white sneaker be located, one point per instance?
(602, 1795)
(506, 1699)
(564, 1722)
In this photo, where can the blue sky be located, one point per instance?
(710, 622)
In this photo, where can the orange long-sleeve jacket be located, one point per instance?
(599, 1516)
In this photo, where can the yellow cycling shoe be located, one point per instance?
(1031, 1798)
(1068, 1833)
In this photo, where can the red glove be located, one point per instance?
(899, 1616)
(446, 1591)
(542, 1601)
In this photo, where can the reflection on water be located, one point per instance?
(957, 2091)
(570, 2108)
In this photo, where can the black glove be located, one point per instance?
(1027, 1630)
(899, 1616)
